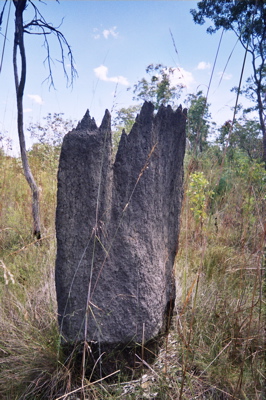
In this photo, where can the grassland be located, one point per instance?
(216, 345)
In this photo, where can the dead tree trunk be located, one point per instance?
(20, 85)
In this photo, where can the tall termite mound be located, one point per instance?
(117, 227)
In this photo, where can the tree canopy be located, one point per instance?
(124, 120)
(198, 121)
(247, 19)
(158, 88)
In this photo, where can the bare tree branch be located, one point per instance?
(37, 26)
(39, 23)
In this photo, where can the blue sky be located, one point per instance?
(113, 42)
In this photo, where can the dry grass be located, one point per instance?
(216, 346)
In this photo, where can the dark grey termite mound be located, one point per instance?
(117, 229)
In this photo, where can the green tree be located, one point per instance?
(52, 131)
(198, 121)
(250, 91)
(247, 19)
(199, 193)
(124, 120)
(158, 88)
(245, 135)
(5, 143)
(49, 136)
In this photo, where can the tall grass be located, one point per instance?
(222, 316)
(216, 345)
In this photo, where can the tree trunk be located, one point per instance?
(263, 128)
(258, 91)
(20, 84)
(259, 75)
(262, 123)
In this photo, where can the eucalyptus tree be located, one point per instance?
(158, 87)
(244, 135)
(124, 120)
(247, 19)
(52, 130)
(37, 25)
(198, 121)
(48, 137)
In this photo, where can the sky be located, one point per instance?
(112, 43)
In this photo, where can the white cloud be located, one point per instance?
(183, 77)
(203, 65)
(27, 110)
(225, 76)
(96, 34)
(36, 98)
(106, 33)
(110, 32)
(102, 71)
